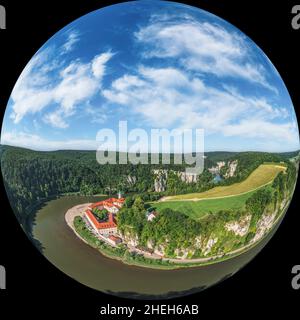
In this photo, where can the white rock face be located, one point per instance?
(198, 242)
(188, 177)
(241, 227)
(131, 180)
(160, 180)
(162, 176)
(131, 240)
(182, 253)
(210, 243)
(263, 225)
(150, 244)
(231, 169)
(160, 250)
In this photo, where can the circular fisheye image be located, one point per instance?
(149, 150)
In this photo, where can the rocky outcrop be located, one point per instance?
(160, 182)
(130, 239)
(131, 180)
(231, 169)
(209, 245)
(188, 177)
(217, 168)
(240, 227)
(161, 177)
(264, 224)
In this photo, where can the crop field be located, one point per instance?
(198, 209)
(261, 176)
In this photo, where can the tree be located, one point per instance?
(257, 203)
(138, 205)
(129, 202)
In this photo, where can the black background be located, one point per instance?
(36, 289)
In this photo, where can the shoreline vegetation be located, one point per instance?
(77, 225)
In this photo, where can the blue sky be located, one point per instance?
(157, 65)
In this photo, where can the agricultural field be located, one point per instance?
(261, 176)
(199, 209)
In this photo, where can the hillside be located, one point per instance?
(261, 176)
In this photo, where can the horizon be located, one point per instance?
(147, 70)
(171, 153)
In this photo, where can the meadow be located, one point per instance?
(199, 209)
(261, 176)
(232, 197)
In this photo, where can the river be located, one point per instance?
(86, 265)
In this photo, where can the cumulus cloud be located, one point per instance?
(189, 76)
(39, 87)
(203, 47)
(169, 97)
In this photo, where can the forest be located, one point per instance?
(32, 177)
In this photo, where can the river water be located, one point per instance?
(86, 265)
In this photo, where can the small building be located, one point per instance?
(151, 215)
(114, 240)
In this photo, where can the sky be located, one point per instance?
(154, 64)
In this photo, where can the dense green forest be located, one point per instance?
(31, 177)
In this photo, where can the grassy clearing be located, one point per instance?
(261, 176)
(199, 209)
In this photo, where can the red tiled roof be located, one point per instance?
(101, 225)
(114, 238)
(96, 204)
(117, 199)
(107, 202)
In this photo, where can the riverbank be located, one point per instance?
(78, 211)
(162, 263)
(74, 212)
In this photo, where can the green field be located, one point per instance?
(233, 197)
(261, 176)
(198, 209)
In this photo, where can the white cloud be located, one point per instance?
(168, 97)
(259, 128)
(73, 37)
(37, 88)
(55, 119)
(203, 47)
(99, 64)
(35, 142)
